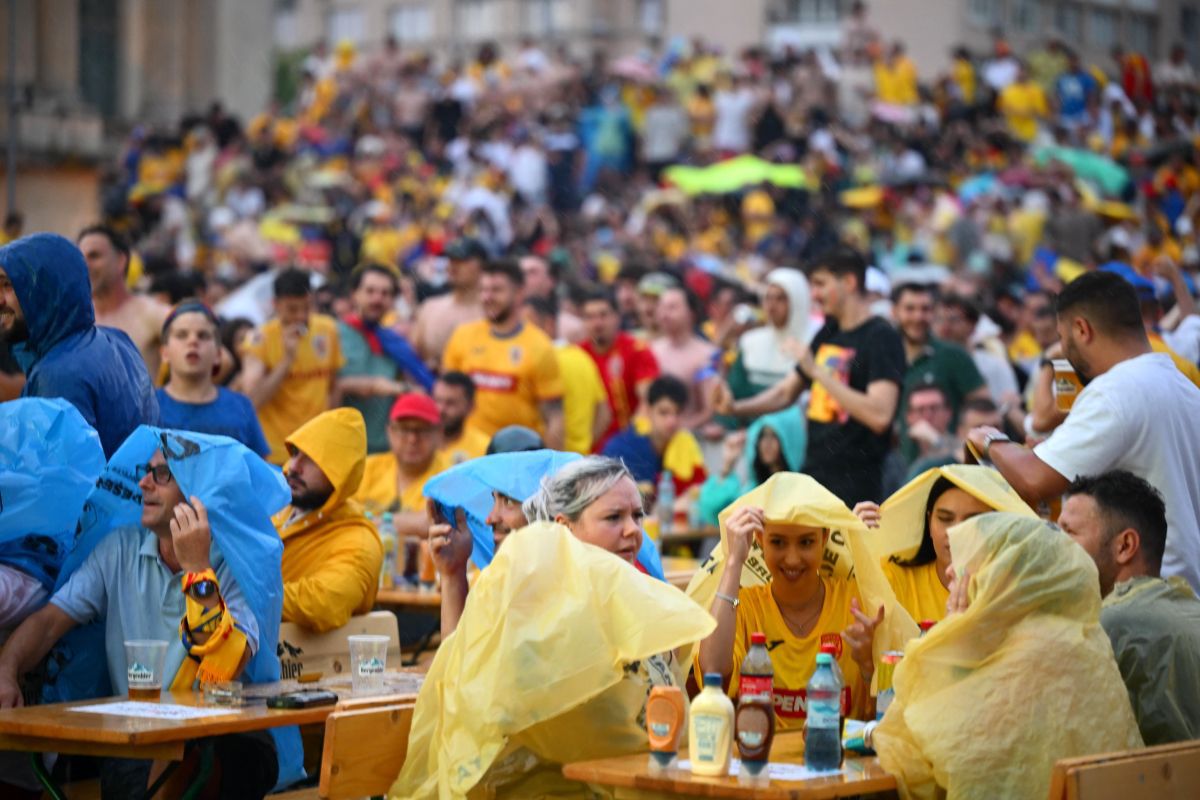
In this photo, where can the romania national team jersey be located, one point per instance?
(305, 391)
(512, 374)
(918, 589)
(795, 659)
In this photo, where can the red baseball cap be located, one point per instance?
(415, 406)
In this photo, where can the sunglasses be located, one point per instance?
(161, 473)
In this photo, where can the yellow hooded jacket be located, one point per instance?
(331, 556)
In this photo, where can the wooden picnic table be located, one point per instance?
(684, 535)
(858, 776)
(64, 728)
(679, 571)
(408, 598)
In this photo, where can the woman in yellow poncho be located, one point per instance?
(913, 524)
(797, 541)
(1021, 675)
(556, 651)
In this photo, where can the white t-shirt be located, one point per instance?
(731, 125)
(1143, 415)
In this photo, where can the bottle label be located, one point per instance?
(793, 703)
(755, 686)
(708, 730)
(751, 740)
(824, 715)
(660, 729)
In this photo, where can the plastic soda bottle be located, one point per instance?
(710, 729)
(387, 534)
(665, 510)
(823, 739)
(887, 689)
(754, 723)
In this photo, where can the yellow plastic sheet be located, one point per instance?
(552, 662)
(902, 516)
(795, 499)
(990, 698)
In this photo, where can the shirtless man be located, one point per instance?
(107, 257)
(439, 316)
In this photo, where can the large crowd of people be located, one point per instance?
(828, 307)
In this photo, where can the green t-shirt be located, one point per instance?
(361, 361)
(950, 367)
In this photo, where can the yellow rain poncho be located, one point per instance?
(902, 526)
(990, 698)
(556, 652)
(793, 499)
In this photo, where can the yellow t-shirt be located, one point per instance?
(305, 391)
(583, 392)
(512, 374)
(1023, 104)
(471, 444)
(964, 75)
(918, 589)
(377, 492)
(1189, 370)
(758, 213)
(794, 659)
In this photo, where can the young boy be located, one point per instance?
(190, 400)
(656, 442)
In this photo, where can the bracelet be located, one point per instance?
(733, 601)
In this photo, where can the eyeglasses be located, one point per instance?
(161, 473)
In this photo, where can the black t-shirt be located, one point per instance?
(843, 454)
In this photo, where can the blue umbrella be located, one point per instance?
(469, 486)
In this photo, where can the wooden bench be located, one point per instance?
(1166, 772)
(302, 651)
(364, 750)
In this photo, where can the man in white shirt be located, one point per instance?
(1137, 412)
(734, 107)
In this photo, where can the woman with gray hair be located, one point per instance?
(597, 499)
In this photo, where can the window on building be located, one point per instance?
(810, 11)
(984, 13)
(545, 17)
(1025, 15)
(1102, 27)
(411, 23)
(477, 20)
(346, 23)
(1143, 34)
(1068, 21)
(652, 15)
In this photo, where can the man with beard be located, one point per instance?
(512, 364)
(46, 314)
(454, 394)
(375, 355)
(331, 552)
(1137, 413)
(930, 360)
(141, 317)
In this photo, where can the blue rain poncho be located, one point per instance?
(98, 370)
(49, 461)
(241, 492)
(469, 486)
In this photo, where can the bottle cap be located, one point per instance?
(387, 516)
(712, 679)
(824, 658)
(758, 638)
(829, 647)
(926, 624)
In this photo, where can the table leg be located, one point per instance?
(202, 772)
(44, 778)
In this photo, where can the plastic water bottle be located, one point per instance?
(823, 741)
(666, 502)
(387, 534)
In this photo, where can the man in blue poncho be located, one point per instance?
(46, 314)
(176, 545)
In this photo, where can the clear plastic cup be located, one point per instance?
(144, 667)
(368, 659)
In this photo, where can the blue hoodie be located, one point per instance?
(98, 370)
